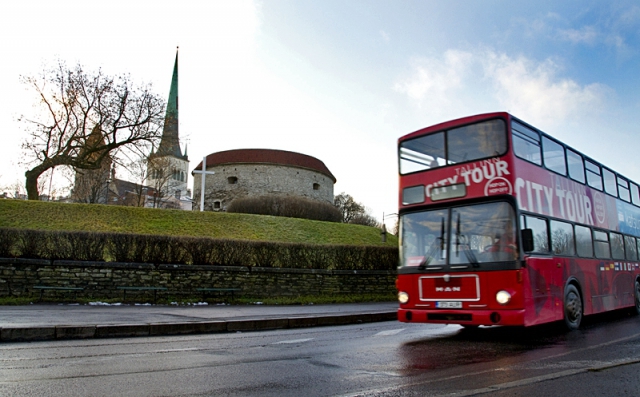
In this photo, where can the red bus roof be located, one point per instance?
(455, 123)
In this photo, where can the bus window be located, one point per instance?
(540, 233)
(553, 154)
(594, 175)
(562, 241)
(584, 243)
(483, 233)
(623, 189)
(422, 153)
(630, 248)
(617, 245)
(476, 141)
(424, 238)
(635, 194)
(601, 244)
(526, 143)
(576, 166)
(413, 195)
(610, 185)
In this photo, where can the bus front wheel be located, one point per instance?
(572, 307)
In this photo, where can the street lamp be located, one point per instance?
(107, 198)
(383, 232)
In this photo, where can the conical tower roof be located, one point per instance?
(170, 143)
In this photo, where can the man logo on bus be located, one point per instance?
(448, 289)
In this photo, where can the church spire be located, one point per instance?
(170, 143)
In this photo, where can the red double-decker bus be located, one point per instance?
(501, 224)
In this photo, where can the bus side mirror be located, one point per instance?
(527, 240)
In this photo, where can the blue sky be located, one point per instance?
(342, 80)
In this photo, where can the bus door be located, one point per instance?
(543, 279)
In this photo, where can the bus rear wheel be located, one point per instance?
(572, 307)
(637, 294)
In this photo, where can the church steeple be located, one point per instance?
(170, 143)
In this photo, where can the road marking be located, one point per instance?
(292, 341)
(390, 332)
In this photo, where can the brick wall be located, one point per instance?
(100, 279)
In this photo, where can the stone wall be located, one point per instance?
(241, 180)
(101, 279)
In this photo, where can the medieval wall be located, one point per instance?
(233, 181)
(101, 279)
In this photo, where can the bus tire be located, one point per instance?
(637, 295)
(572, 307)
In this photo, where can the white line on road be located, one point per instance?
(390, 332)
(293, 341)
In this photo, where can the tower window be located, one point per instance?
(316, 186)
(216, 205)
(232, 180)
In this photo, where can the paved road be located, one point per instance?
(373, 359)
(43, 322)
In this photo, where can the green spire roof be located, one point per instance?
(170, 143)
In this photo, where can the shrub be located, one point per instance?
(293, 207)
(156, 249)
(8, 243)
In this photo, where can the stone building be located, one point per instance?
(259, 172)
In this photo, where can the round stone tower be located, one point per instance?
(259, 172)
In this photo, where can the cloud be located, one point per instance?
(434, 82)
(465, 82)
(586, 34)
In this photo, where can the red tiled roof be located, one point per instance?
(267, 156)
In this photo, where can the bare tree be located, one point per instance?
(72, 105)
(160, 173)
(352, 211)
(348, 207)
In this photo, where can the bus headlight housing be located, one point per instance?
(403, 297)
(503, 297)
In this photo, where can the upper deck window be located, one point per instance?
(553, 154)
(471, 142)
(576, 166)
(594, 175)
(610, 185)
(526, 143)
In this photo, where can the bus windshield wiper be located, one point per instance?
(429, 256)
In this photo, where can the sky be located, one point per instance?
(343, 80)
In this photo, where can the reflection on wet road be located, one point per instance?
(478, 361)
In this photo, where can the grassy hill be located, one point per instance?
(101, 218)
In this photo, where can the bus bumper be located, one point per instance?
(462, 317)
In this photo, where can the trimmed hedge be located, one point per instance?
(292, 207)
(156, 249)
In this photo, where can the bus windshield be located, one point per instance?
(459, 236)
(471, 142)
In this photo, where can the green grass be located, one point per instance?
(102, 218)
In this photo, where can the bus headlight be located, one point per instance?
(503, 297)
(403, 297)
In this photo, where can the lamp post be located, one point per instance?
(383, 232)
(107, 196)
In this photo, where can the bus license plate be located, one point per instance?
(449, 305)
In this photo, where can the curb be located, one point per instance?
(65, 332)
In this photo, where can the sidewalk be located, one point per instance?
(52, 321)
